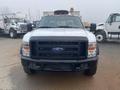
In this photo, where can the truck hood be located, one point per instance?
(100, 26)
(60, 32)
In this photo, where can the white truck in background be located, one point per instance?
(13, 26)
(110, 30)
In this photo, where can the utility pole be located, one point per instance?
(39, 14)
(29, 14)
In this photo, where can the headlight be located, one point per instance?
(25, 49)
(91, 50)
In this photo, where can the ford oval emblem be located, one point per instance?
(57, 49)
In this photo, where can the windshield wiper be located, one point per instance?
(67, 27)
(58, 27)
(46, 27)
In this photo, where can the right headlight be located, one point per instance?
(92, 49)
(25, 49)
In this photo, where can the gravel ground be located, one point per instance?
(12, 76)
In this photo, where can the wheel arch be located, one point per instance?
(11, 29)
(102, 31)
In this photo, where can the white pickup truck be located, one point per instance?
(60, 44)
(110, 30)
(13, 26)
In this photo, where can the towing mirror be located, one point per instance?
(92, 27)
(29, 27)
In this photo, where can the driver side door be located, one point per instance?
(113, 24)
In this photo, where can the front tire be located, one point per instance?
(92, 69)
(28, 71)
(12, 34)
(100, 36)
(26, 68)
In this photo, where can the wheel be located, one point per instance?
(28, 71)
(13, 34)
(100, 36)
(26, 68)
(92, 69)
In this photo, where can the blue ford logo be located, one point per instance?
(57, 49)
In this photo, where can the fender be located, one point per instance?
(101, 27)
(11, 29)
(102, 30)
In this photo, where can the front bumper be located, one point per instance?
(59, 61)
(21, 32)
(58, 65)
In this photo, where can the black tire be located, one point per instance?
(100, 36)
(92, 69)
(28, 71)
(26, 68)
(13, 33)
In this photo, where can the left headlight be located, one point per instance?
(25, 49)
(92, 50)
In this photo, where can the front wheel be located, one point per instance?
(92, 69)
(26, 68)
(13, 34)
(28, 71)
(100, 36)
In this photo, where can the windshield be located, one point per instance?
(60, 22)
(18, 20)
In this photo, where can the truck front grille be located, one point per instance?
(23, 27)
(53, 49)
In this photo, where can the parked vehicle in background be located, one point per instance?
(60, 44)
(13, 26)
(110, 30)
(36, 24)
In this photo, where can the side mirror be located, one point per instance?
(93, 27)
(29, 27)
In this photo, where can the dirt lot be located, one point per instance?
(13, 77)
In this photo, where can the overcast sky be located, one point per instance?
(91, 10)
